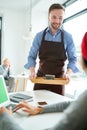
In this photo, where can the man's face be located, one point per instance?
(7, 63)
(56, 18)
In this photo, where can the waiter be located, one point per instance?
(53, 46)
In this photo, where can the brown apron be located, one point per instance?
(52, 56)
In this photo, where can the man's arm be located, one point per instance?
(71, 53)
(1, 70)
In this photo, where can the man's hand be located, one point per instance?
(67, 74)
(32, 110)
(32, 73)
(69, 71)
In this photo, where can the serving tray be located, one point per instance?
(56, 81)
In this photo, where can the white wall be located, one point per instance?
(15, 25)
(39, 21)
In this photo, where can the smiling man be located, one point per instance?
(53, 46)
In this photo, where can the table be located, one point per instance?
(17, 78)
(41, 121)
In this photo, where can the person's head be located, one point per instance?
(6, 62)
(84, 52)
(56, 15)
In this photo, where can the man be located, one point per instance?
(6, 72)
(53, 46)
(75, 113)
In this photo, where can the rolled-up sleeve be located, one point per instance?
(58, 107)
(34, 51)
(71, 53)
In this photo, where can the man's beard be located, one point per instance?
(55, 26)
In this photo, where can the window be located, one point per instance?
(76, 22)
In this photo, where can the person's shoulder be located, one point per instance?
(40, 33)
(66, 33)
(1, 66)
(38, 36)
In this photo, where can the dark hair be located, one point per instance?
(56, 6)
(84, 61)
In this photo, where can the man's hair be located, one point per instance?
(4, 60)
(56, 6)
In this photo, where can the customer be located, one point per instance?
(53, 46)
(6, 120)
(6, 72)
(73, 118)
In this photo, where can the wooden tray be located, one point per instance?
(56, 81)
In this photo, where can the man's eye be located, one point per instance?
(53, 17)
(60, 18)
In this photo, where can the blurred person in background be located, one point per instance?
(5, 70)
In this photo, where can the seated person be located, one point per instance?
(7, 122)
(6, 72)
(74, 113)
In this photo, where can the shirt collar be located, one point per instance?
(59, 30)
